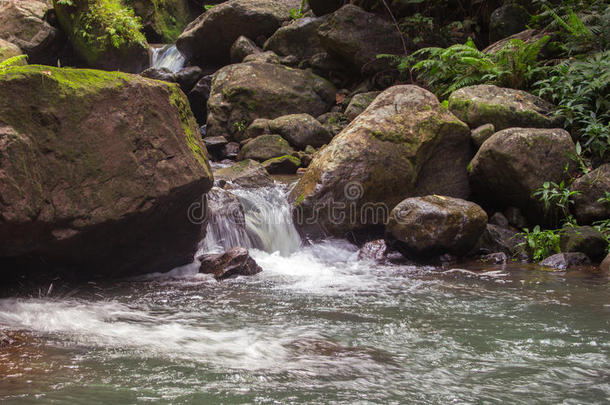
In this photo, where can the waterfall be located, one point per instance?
(168, 57)
(266, 223)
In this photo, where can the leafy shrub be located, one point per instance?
(558, 196)
(580, 90)
(540, 244)
(111, 22)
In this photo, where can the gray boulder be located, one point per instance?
(565, 261)
(301, 130)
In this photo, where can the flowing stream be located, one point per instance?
(167, 56)
(316, 326)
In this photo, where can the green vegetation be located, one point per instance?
(558, 196)
(19, 60)
(540, 244)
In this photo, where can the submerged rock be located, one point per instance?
(247, 173)
(564, 261)
(233, 263)
(301, 130)
(423, 227)
(375, 250)
(495, 258)
(501, 107)
(404, 144)
(243, 92)
(515, 162)
(86, 189)
(592, 187)
(209, 38)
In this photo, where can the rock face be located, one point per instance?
(8, 50)
(482, 133)
(22, 23)
(282, 165)
(241, 48)
(321, 7)
(584, 239)
(504, 108)
(235, 262)
(208, 39)
(357, 37)
(103, 39)
(298, 38)
(564, 261)
(507, 20)
(359, 103)
(85, 188)
(247, 173)
(301, 130)
(242, 92)
(433, 225)
(265, 147)
(495, 239)
(592, 187)
(513, 163)
(405, 144)
(163, 21)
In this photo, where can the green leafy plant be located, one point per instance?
(297, 13)
(240, 126)
(539, 244)
(553, 195)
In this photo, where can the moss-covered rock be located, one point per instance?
(209, 38)
(105, 33)
(359, 103)
(515, 162)
(301, 130)
(299, 38)
(584, 239)
(286, 164)
(405, 144)
(22, 22)
(241, 48)
(247, 173)
(8, 50)
(265, 147)
(502, 107)
(163, 20)
(98, 171)
(243, 92)
(592, 187)
(432, 225)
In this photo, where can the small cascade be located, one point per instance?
(167, 56)
(266, 223)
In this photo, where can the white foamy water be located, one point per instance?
(168, 57)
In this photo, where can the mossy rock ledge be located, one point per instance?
(405, 144)
(98, 171)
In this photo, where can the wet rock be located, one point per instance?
(301, 130)
(243, 92)
(282, 165)
(265, 147)
(565, 261)
(243, 47)
(501, 107)
(233, 263)
(198, 98)
(357, 37)
(23, 24)
(321, 7)
(507, 20)
(215, 144)
(299, 38)
(259, 126)
(592, 187)
(247, 173)
(498, 239)
(188, 77)
(584, 239)
(605, 265)
(374, 250)
(359, 103)
(405, 144)
(482, 133)
(231, 150)
(209, 38)
(263, 57)
(334, 122)
(495, 258)
(424, 227)
(515, 162)
(103, 193)
(8, 50)
(163, 74)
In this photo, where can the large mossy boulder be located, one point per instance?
(515, 162)
(105, 33)
(405, 144)
(22, 22)
(590, 204)
(97, 174)
(265, 147)
(502, 107)
(357, 37)
(243, 92)
(301, 130)
(8, 50)
(208, 39)
(427, 226)
(299, 38)
(162, 20)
